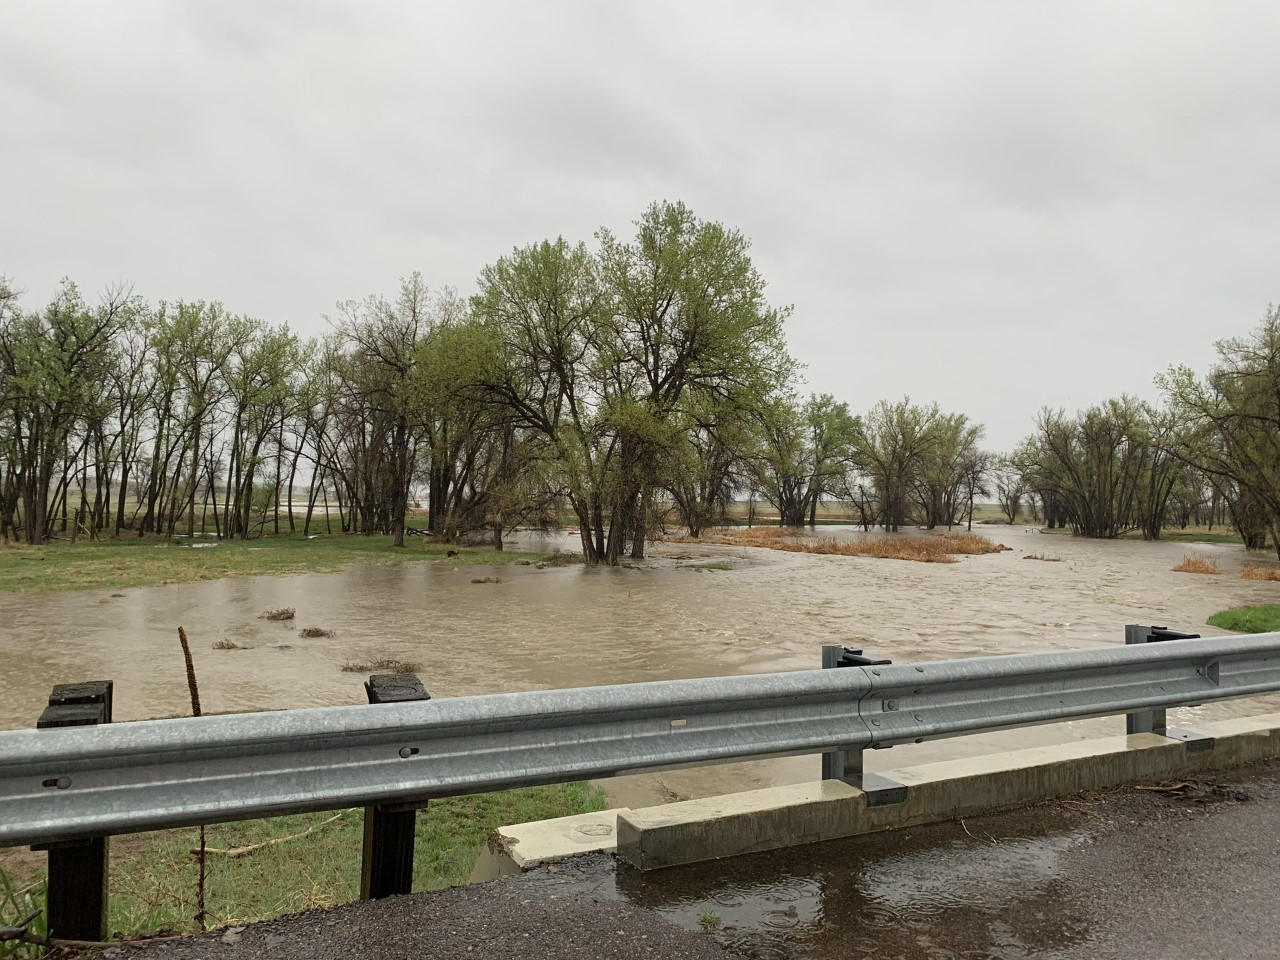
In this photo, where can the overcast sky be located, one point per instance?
(997, 206)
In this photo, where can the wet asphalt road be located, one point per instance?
(1189, 871)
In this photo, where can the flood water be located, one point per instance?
(575, 626)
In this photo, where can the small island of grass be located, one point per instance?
(1261, 619)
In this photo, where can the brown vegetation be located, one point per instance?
(1251, 572)
(937, 548)
(1196, 565)
(382, 665)
(284, 613)
(310, 633)
(229, 645)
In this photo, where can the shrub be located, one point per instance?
(1196, 565)
(1251, 572)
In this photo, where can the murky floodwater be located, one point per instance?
(572, 626)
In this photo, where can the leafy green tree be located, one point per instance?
(807, 452)
(603, 355)
(1105, 470)
(52, 367)
(1010, 487)
(1232, 426)
(895, 442)
(950, 469)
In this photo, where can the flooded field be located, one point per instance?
(679, 616)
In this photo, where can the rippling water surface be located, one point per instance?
(573, 626)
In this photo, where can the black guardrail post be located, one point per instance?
(76, 904)
(387, 865)
(1155, 721)
(845, 763)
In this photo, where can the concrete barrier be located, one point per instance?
(523, 846)
(759, 820)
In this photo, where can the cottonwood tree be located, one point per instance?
(892, 446)
(1232, 419)
(1102, 470)
(601, 354)
(710, 460)
(806, 452)
(950, 469)
(53, 365)
(1010, 487)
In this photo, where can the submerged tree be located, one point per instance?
(609, 356)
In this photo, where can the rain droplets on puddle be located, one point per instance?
(930, 892)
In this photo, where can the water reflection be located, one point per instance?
(935, 892)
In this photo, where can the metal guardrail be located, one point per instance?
(67, 784)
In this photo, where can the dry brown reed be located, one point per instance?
(1196, 565)
(1252, 572)
(938, 548)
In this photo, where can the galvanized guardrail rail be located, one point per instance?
(77, 783)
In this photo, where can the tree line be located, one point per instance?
(627, 385)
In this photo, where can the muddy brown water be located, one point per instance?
(574, 626)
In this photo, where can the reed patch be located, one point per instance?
(1196, 565)
(1254, 572)
(937, 548)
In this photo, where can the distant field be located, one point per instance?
(1192, 535)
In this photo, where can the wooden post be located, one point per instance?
(76, 904)
(387, 866)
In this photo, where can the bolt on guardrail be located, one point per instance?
(59, 785)
(1154, 721)
(846, 764)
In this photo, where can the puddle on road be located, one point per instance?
(935, 892)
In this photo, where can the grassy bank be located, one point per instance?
(1263, 619)
(115, 564)
(1190, 535)
(153, 876)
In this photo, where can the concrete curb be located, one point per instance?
(707, 829)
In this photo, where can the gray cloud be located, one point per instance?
(994, 205)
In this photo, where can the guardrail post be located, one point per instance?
(1156, 720)
(846, 764)
(1141, 721)
(387, 864)
(76, 901)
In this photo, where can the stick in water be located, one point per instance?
(195, 712)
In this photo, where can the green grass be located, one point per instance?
(153, 877)
(115, 564)
(16, 904)
(1190, 535)
(1263, 619)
